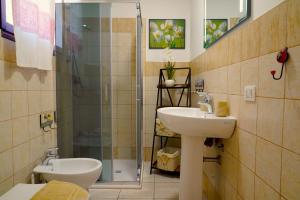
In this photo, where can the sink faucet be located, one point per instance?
(206, 100)
(51, 153)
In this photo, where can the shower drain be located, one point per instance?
(118, 171)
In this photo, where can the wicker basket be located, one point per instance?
(168, 158)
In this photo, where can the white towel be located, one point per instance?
(34, 32)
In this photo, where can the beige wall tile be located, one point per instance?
(19, 104)
(229, 168)
(246, 149)
(234, 79)
(209, 82)
(220, 78)
(250, 40)
(234, 47)
(248, 116)
(267, 86)
(268, 163)
(34, 126)
(249, 73)
(124, 140)
(21, 156)
(230, 193)
(290, 177)
(292, 83)
(234, 105)
(5, 73)
(231, 144)
(34, 79)
(34, 102)
(270, 119)
(274, 24)
(23, 175)
(37, 148)
(7, 50)
(124, 97)
(124, 83)
(125, 153)
(293, 23)
(6, 185)
(124, 111)
(291, 137)
(123, 126)
(5, 135)
(47, 100)
(18, 78)
(150, 97)
(221, 53)
(20, 130)
(6, 167)
(264, 192)
(5, 106)
(47, 80)
(245, 183)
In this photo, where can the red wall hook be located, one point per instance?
(282, 57)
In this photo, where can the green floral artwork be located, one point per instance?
(214, 29)
(165, 33)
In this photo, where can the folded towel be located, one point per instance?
(57, 190)
(163, 131)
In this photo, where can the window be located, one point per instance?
(7, 19)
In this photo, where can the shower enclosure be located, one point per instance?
(99, 87)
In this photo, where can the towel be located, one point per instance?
(163, 131)
(34, 32)
(57, 190)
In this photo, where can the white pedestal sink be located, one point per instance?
(194, 126)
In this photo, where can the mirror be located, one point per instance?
(223, 16)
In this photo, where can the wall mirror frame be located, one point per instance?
(221, 17)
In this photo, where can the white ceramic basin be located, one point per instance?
(194, 122)
(194, 126)
(81, 171)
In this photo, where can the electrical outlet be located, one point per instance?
(249, 93)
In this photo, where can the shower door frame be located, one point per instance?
(139, 91)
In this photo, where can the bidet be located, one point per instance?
(81, 171)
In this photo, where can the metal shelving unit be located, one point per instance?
(159, 104)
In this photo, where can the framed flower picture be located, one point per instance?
(214, 29)
(165, 33)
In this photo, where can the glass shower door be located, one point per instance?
(83, 49)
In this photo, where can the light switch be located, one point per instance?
(249, 93)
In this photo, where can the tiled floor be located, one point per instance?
(155, 186)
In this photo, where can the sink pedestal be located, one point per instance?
(191, 168)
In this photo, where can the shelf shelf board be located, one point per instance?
(176, 86)
(175, 137)
(172, 106)
(177, 171)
